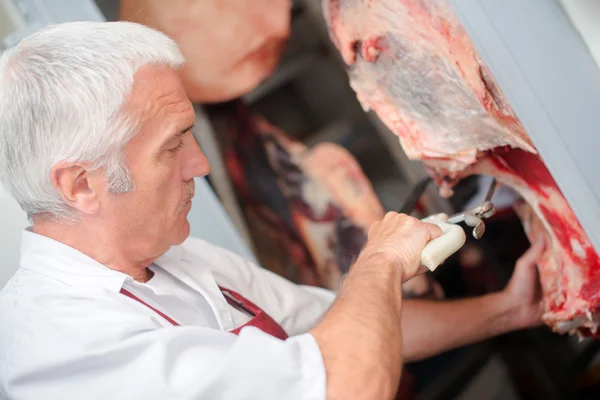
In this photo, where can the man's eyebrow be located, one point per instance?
(189, 128)
(176, 135)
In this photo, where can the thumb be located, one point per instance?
(433, 231)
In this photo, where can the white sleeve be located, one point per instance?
(297, 308)
(134, 359)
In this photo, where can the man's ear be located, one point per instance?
(75, 184)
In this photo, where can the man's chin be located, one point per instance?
(181, 229)
(183, 233)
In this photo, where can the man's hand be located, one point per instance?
(360, 337)
(524, 292)
(398, 240)
(432, 327)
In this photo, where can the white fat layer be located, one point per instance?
(316, 196)
(577, 248)
(323, 234)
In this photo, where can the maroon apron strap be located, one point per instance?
(134, 297)
(259, 318)
(238, 301)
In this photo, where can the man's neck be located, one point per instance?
(112, 252)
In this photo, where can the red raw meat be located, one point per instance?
(413, 64)
(319, 220)
(230, 46)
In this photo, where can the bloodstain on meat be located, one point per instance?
(432, 89)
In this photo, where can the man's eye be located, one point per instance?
(174, 149)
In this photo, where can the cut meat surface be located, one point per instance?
(412, 63)
(318, 201)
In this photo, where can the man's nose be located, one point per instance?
(196, 164)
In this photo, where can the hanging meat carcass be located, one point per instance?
(412, 63)
(230, 46)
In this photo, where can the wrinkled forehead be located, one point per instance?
(158, 106)
(156, 90)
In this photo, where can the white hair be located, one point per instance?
(61, 96)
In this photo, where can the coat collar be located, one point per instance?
(49, 257)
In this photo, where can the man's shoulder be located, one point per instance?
(44, 320)
(17, 288)
(31, 299)
(36, 311)
(28, 305)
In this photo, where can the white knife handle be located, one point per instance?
(438, 250)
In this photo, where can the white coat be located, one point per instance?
(66, 332)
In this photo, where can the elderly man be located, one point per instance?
(113, 300)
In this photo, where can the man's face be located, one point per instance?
(163, 158)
